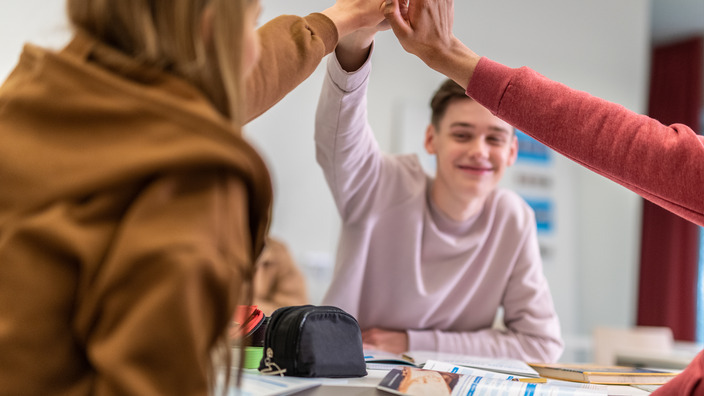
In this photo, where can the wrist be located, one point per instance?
(342, 20)
(359, 40)
(456, 61)
(352, 54)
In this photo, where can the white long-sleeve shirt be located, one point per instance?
(403, 265)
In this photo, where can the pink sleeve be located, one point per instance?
(688, 383)
(663, 164)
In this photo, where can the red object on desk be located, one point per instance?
(247, 318)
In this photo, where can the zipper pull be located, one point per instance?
(271, 367)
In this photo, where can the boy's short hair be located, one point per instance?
(445, 94)
(448, 92)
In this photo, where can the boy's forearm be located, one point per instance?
(353, 50)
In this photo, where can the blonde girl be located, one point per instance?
(131, 208)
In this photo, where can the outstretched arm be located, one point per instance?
(353, 50)
(346, 148)
(661, 163)
(292, 48)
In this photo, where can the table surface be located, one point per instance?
(343, 391)
(366, 386)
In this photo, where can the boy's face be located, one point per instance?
(473, 149)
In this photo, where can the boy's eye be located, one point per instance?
(496, 139)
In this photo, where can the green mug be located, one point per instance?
(252, 357)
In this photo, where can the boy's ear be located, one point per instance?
(513, 154)
(429, 141)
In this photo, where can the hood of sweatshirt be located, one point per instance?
(89, 118)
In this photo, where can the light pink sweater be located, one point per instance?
(664, 164)
(403, 265)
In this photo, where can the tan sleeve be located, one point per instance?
(278, 282)
(292, 47)
(167, 289)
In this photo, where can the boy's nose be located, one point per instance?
(478, 148)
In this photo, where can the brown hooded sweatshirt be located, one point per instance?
(278, 282)
(130, 212)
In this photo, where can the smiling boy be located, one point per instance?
(473, 148)
(424, 263)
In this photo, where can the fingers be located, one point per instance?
(396, 18)
(404, 9)
(371, 12)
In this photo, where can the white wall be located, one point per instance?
(39, 21)
(676, 19)
(601, 46)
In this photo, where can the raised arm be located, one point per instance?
(346, 148)
(292, 48)
(664, 164)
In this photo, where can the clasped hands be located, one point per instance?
(423, 28)
(385, 340)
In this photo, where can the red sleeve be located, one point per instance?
(663, 164)
(688, 383)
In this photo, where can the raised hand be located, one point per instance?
(352, 15)
(424, 28)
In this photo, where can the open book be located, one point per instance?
(419, 358)
(414, 381)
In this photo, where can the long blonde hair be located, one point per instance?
(168, 34)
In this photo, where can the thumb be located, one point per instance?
(393, 14)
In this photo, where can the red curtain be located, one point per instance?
(670, 244)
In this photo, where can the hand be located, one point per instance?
(352, 15)
(424, 28)
(385, 340)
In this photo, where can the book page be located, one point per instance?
(419, 382)
(449, 367)
(647, 388)
(507, 366)
(478, 386)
